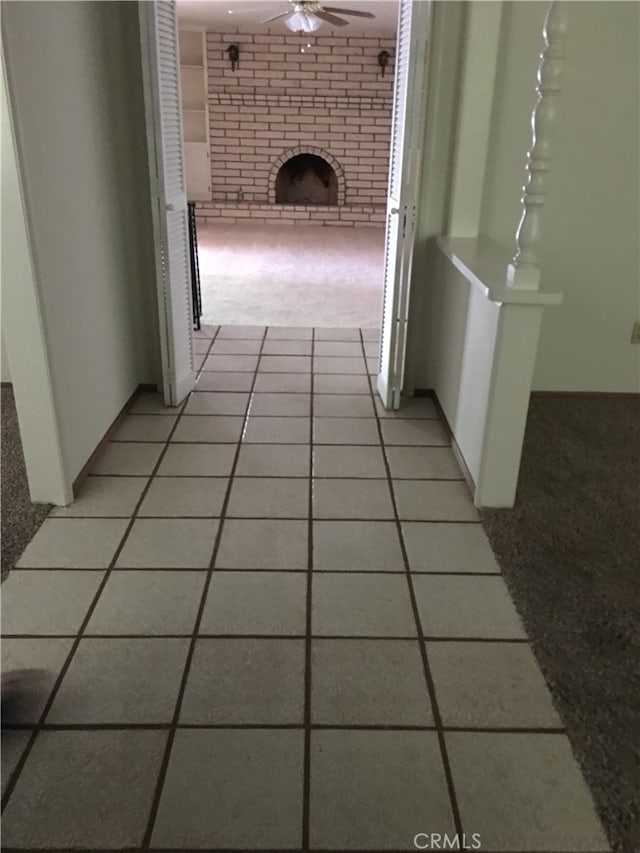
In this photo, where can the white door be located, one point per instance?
(404, 171)
(159, 35)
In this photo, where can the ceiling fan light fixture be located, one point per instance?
(302, 21)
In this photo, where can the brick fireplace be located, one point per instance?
(330, 102)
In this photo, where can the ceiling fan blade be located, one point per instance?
(348, 12)
(276, 17)
(330, 19)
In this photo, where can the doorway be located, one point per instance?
(394, 221)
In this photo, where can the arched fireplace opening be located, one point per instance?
(306, 179)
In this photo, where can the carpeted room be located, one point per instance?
(284, 275)
(287, 157)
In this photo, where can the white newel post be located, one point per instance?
(523, 271)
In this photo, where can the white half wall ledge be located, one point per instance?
(484, 263)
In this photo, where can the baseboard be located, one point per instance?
(617, 395)
(429, 392)
(620, 395)
(106, 438)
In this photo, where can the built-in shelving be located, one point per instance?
(195, 113)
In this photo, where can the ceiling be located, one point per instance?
(246, 15)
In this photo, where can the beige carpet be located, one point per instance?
(278, 275)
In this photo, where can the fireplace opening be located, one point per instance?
(306, 179)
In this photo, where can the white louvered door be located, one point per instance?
(404, 173)
(159, 36)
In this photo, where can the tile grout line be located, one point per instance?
(215, 517)
(281, 415)
(262, 569)
(334, 518)
(267, 477)
(277, 443)
(283, 355)
(421, 640)
(164, 765)
(373, 519)
(219, 372)
(264, 477)
(92, 606)
(127, 727)
(306, 784)
(159, 415)
(393, 638)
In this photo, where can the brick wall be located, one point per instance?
(331, 100)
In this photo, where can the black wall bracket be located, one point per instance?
(383, 60)
(234, 56)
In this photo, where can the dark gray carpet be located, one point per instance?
(570, 552)
(20, 518)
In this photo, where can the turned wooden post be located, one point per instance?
(523, 271)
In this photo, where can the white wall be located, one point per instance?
(444, 67)
(75, 86)
(591, 220)
(23, 334)
(460, 332)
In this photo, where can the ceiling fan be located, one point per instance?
(307, 16)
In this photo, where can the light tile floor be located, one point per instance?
(272, 621)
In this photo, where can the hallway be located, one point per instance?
(272, 621)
